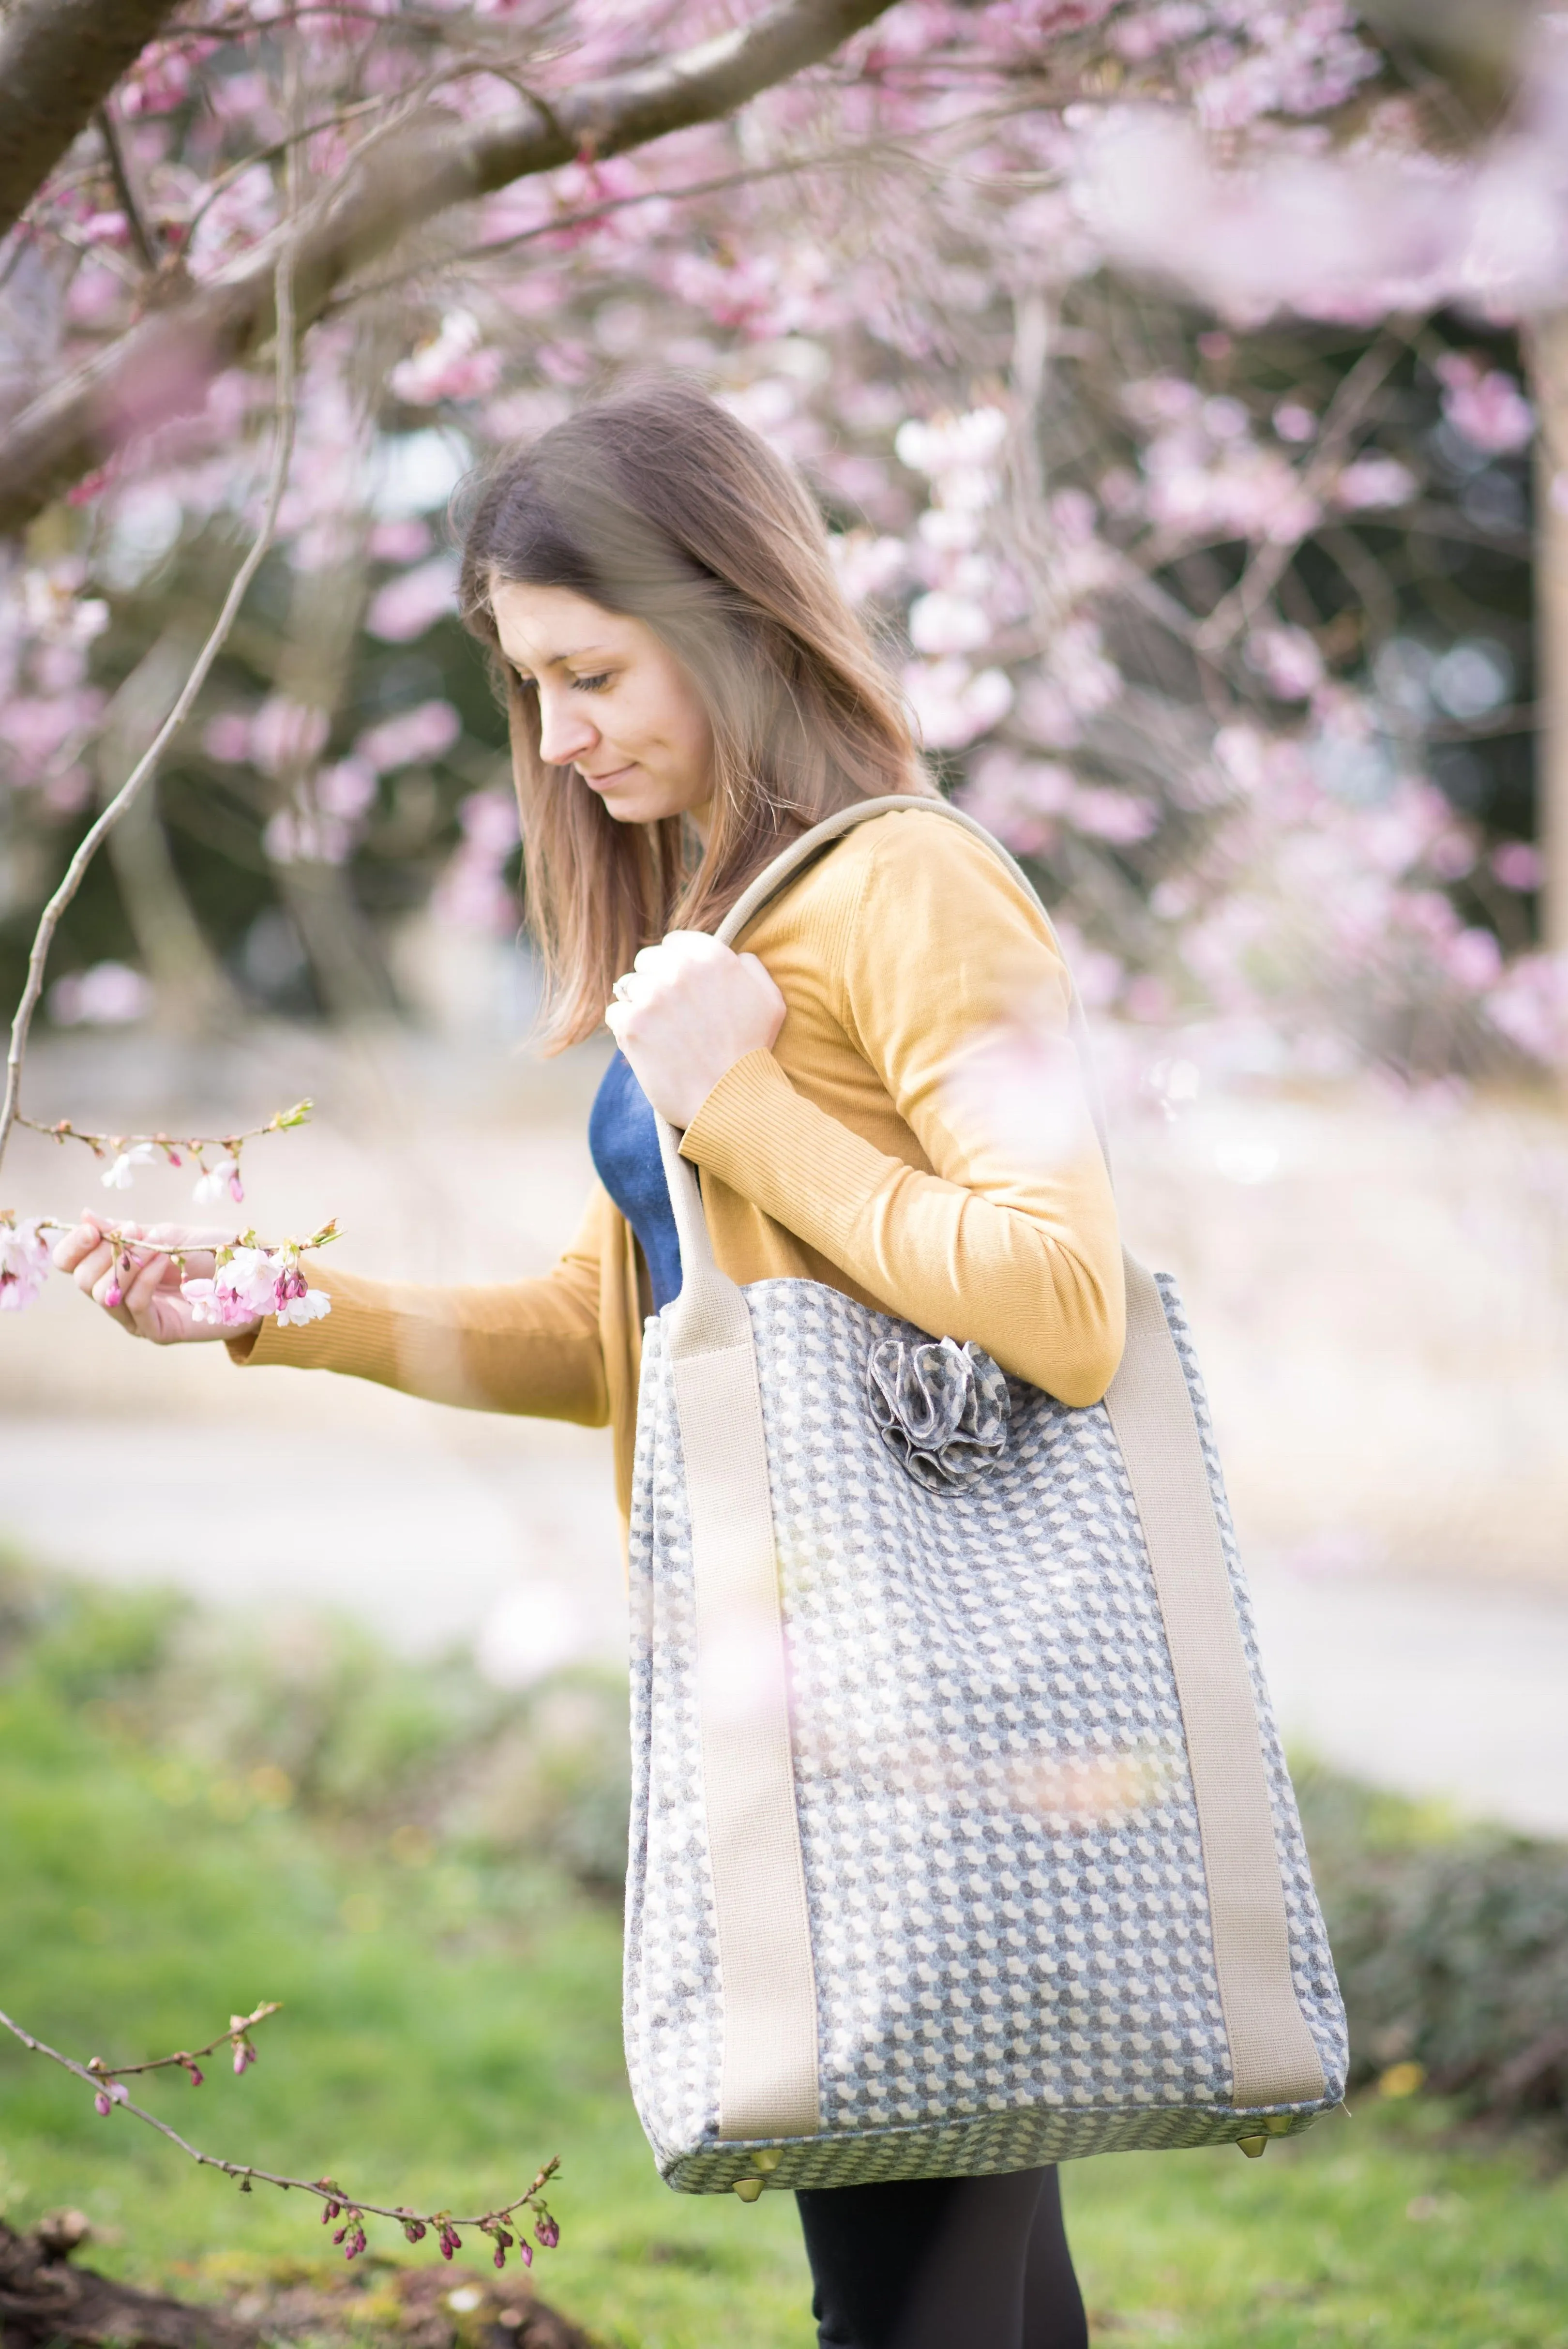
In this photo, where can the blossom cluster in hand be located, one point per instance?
(248, 1281)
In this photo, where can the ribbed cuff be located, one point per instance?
(352, 1337)
(799, 1165)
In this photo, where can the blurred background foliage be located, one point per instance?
(1212, 587)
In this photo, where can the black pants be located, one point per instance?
(943, 2264)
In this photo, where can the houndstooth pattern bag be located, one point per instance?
(961, 1835)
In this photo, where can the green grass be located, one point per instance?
(449, 2024)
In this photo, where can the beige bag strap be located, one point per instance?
(768, 2081)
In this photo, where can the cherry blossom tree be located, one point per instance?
(1132, 349)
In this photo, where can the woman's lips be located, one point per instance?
(606, 783)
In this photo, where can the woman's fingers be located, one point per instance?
(133, 1272)
(147, 1276)
(77, 1242)
(91, 1266)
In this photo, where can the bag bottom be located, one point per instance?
(986, 2146)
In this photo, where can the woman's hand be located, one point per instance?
(147, 1280)
(691, 1009)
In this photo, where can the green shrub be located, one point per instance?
(309, 1710)
(1452, 1948)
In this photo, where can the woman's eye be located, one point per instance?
(594, 684)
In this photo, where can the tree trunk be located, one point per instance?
(44, 2300)
(46, 2303)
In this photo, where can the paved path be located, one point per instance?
(487, 1533)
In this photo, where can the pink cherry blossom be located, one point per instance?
(1371, 481)
(942, 623)
(953, 705)
(450, 365)
(404, 540)
(1287, 660)
(24, 1264)
(251, 1282)
(1519, 864)
(122, 1173)
(108, 995)
(216, 1181)
(423, 732)
(1485, 405)
(285, 736)
(414, 601)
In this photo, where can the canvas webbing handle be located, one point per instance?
(769, 2071)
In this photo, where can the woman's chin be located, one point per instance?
(638, 800)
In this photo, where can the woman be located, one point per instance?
(687, 691)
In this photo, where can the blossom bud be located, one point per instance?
(549, 2234)
(500, 2260)
(114, 2093)
(236, 1188)
(450, 2241)
(414, 2228)
(114, 1296)
(102, 2104)
(331, 2210)
(338, 2237)
(196, 2074)
(356, 2243)
(525, 2254)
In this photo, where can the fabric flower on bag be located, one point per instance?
(942, 1409)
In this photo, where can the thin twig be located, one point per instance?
(62, 1130)
(1236, 610)
(146, 765)
(132, 1244)
(240, 2026)
(324, 2188)
(125, 189)
(562, 223)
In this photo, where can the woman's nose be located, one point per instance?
(565, 733)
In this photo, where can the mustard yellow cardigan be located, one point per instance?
(843, 1155)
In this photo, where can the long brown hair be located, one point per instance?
(661, 504)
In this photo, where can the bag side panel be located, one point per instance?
(1311, 1962)
(673, 2002)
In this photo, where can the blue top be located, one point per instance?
(623, 1142)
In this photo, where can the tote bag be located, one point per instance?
(961, 1836)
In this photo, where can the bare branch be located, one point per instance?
(59, 61)
(190, 1146)
(146, 765)
(325, 2190)
(125, 189)
(1237, 611)
(424, 170)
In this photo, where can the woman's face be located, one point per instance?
(614, 703)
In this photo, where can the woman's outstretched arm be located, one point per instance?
(529, 1346)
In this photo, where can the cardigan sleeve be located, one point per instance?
(533, 1347)
(1010, 1238)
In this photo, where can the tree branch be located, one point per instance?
(161, 366)
(125, 189)
(59, 61)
